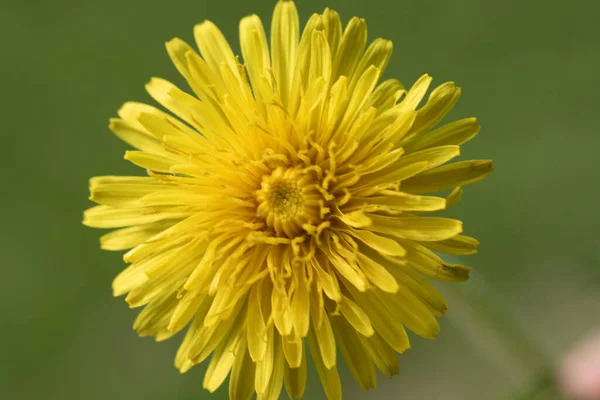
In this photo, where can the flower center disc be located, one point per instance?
(287, 200)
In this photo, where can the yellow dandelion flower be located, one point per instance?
(280, 214)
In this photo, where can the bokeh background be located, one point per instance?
(529, 72)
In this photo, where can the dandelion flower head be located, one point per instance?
(284, 210)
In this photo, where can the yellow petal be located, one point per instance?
(109, 217)
(153, 249)
(172, 197)
(276, 380)
(320, 57)
(154, 288)
(177, 50)
(185, 310)
(413, 313)
(386, 95)
(182, 363)
(131, 112)
(208, 85)
(333, 27)
(255, 50)
(458, 245)
(295, 378)
(350, 49)
(349, 270)
(151, 161)
(355, 219)
(137, 138)
(434, 156)
(153, 319)
(280, 301)
(355, 354)
(264, 368)
(214, 47)
(381, 161)
(327, 280)
(126, 238)
(398, 201)
(122, 191)
(220, 364)
(311, 104)
(360, 95)
(426, 262)
(208, 267)
(208, 337)
(426, 229)
(282, 312)
(454, 133)
(255, 325)
(128, 279)
(209, 120)
(164, 93)
(449, 176)
(356, 317)
(227, 299)
(412, 281)
(378, 54)
(358, 131)
(394, 131)
(300, 306)
(302, 65)
(330, 378)
(285, 33)
(454, 197)
(368, 185)
(163, 125)
(440, 102)
(325, 340)
(378, 274)
(379, 243)
(293, 347)
(382, 354)
(387, 324)
(241, 383)
(416, 93)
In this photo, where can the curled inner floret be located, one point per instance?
(288, 199)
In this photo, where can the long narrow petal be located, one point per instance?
(458, 245)
(255, 50)
(214, 47)
(449, 176)
(454, 133)
(285, 32)
(295, 378)
(382, 354)
(351, 48)
(426, 229)
(330, 379)
(355, 354)
(241, 383)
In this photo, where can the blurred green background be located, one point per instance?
(528, 70)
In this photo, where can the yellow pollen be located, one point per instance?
(286, 199)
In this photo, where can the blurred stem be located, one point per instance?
(479, 315)
(543, 384)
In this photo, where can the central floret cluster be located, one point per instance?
(289, 198)
(286, 199)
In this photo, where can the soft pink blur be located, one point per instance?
(579, 371)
